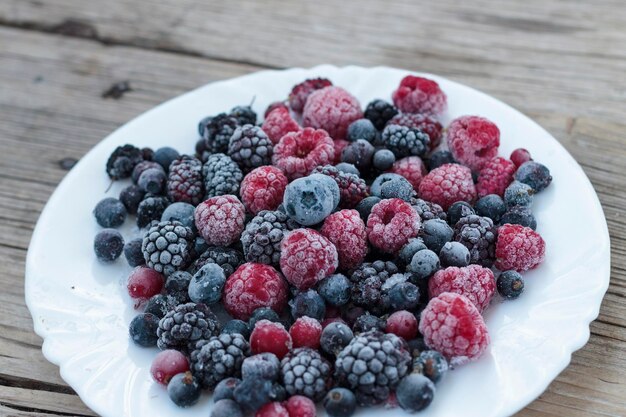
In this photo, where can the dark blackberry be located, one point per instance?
(415, 393)
(133, 252)
(335, 337)
(184, 390)
(459, 210)
(165, 156)
(262, 236)
(160, 305)
(366, 322)
(478, 234)
(228, 258)
(218, 358)
(372, 365)
(167, 247)
(431, 364)
(365, 206)
(141, 167)
(383, 160)
(368, 280)
(308, 303)
(237, 326)
(143, 329)
(108, 245)
(429, 210)
(122, 161)
(519, 215)
(362, 129)
(352, 189)
(424, 122)
(217, 131)
(182, 327)
(244, 115)
(305, 372)
(177, 286)
(534, 174)
(250, 147)
(491, 206)
(405, 141)
(510, 284)
(147, 153)
(379, 112)
(222, 176)
(151, 208)
(336, 289)
(359, 154)
(435, 233)
(184, 181)
(439, 158)
(131, 196)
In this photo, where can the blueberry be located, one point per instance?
(431, 364)
(263, 365)
(237, 326)
(226, 408)
(403, 296)
(362, 129)
(143, 329)
(336, 289)
(519, 215)
(367, 322)
(435, 233)
(177, 285)
(254, 392)
(438, 159)
(206, 285)
(518, 194)
(152, 180)
(278, 393)
(365, 206)
(308, 303)
(459, 210)
(199, 244)
(415, 392)
(108, 245)
(411, 248)
(510, 284)
(416, 346)
(165, 156)
(182, 212)
(110, 212)
(534, 174)
(262, 313)
(376, 186)
(348, 168)
(225, 388)
(423, 265)
(133, 252)
(160, 305)
(454, 254)
(311, 199)
(352, 313)
(184, 389)
(491, 206)
(359, 153)
(131, 196)
(397, 188)
(383, 159)
(335, 337)
(340, 402)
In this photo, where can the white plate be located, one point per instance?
(81, 310)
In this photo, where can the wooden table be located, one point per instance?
(561, 62)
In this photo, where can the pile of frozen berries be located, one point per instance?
(353, 251)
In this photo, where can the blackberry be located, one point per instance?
(177, 286)
(182, 327)
(167, 247)
(160, 305)
(131, 196)
(372, 365)
(108, 245)
(122, 161)
(262, 236)
(362, 129)
(308, 303)
(147, 153)
(184, 181)
(368, 280)
(228, 258)
(250, 147)
(428, 210)
(217, 131)
(222, 176)
(379, 112)
(143, 329)
(459, 210)
(151, 208)
(519, 215)
(439, 158)
(510, 284)
(244, 115)
(184, 390)
(218, 358)
(478, 234)
(534, 174)
(415, 393)
(305, 372)
(110, 212)
(359, 153)
(133, 252)
(367, 322)
(165, 156)
(352, 189)
(405, 141)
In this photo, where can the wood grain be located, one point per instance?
(562, 63)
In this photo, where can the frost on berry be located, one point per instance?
(332, 109)
(423, 122)
(448, 184)
(270, 337)
(306, 332)
(519, 248)
(278, 123)
(220, 220)
(495, 175)
(476, 283)
(263, 189)
(419, 95)
(298, 153)
(391, 224)
(346, 230)
(412, 168)
(473, 140)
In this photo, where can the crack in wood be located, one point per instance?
(31, 384)
(40, 410)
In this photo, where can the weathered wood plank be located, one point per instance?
(63, 404)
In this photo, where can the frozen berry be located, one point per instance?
(448, 184)
(431, 364)
(347, 232)
(144, 282)
(402, 323)
(348, 168)
(141, 167)
(220, 220)
(383, 159)
(263, 189)
(412, 168)
(131, 196)
(415, 392)
(252, 286)
(510, 284)
(474, 282)
(165, 156)
(253, 393)
(419, 95)
(244, 114)
(133, 252)
(352, 189)
(273, 106)
(298, 153)
(423, 122)
(491, 206)
(403, 296)
(519, 215)
(122, 161)
(365, 206)
(366, 322)
(263, 365)
(340, 402)
(435, 233)
(108, 245)
(273, 409)
(336, 289)
(459, 210)
(398, 188)
(110, 212)
(439, 158)
(224, 390)
(379, 112)
(184, 390)
(359, 153)
(332, 109)
(250, 147)
(311, 199)
(473, 140)
(362, 129)
(143, 329)
(181, 212)
(411, 248)
(454, 254)
(278, 123)
(206, 285)
(391, 224)
(519, 156)
(494, 176)
(151, 208)
(177, 285)
(237, 326)
(307, 258)
(423, 264)
(270, 337)
(405, 141)
(308, 303)
(300, 406)
(152, 180)
(518, 194)
(306, 332)
(168, 363)
(534, 174)
(335, 337)
(262, 313)
(519, 248)
(226, 408)
(300, 92)
(184, 181)
(339, 145)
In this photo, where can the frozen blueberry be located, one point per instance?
(534, 174)
(133, 252)
(510, 284)
(237, 326)
(423, 265)
(435, 233)
(262, 313)
(254, 392)
(491, 206)
(110, 212)
(519, 215)
(263, 365)
(308, 303)
(416, 346)
(403, 296)
(152, 180)
(397, 188)
(184, 390)
(365, 206)
(177, 286)
(336, 289)
(225, 388)
(164, 157)
(518, 194)
(335, 337)
(206, 285)
(406, 253)
(131, 196)
(311, 199)
(108, 245)
(415, 392)
(359, 153)
(438, 159)
(182, 212)
(459, 210)
(454, 254)
(348, 168)
(362, 129)
(340, 402)
(431, 364)
(226, 408)
(143, 329)
(383, 159)
(367, 322)
(376, 186)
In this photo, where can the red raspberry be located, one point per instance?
(519, 156)
(495, 176)
(453, 326)
(274, 409)
(263, 189)
(144, 282)
(331, 109)
(278, 123)
(412, 168)
(252, 286)
(419, 95)
(273, 106)
(473, 140)
(307, 257)
(298, 153)
(268, 336)
(220, 220)
(474, 282)
(168, 363)
(300, 406)
(519, 248)
(301, 92)
(423, 122)
(346, 230)
(448, 184)
(391, 224)
(402, 323)
(340, 145)
(306, 332)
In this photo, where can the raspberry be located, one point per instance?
(519, 248)
(519, 156)
(332, 109)
(306, 332)
(352, 189)
(453, 326)
(339, 145)
(448, 184)
(474, 282)
(250, 147)
(220, 220)
(391, 224)
(252, 286)
(419, 95)
(298, 153)
(273, 106)
(307, 258)
(270, 337)
(300, 406)
(273, 409)
(263, 189)
(402, 323)
(300, 92)
(473, 140)
(278, 123)
(346, 231)
(412, 168)
(184, 182)
(495, 175)
(168, 363)
(423, 122)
